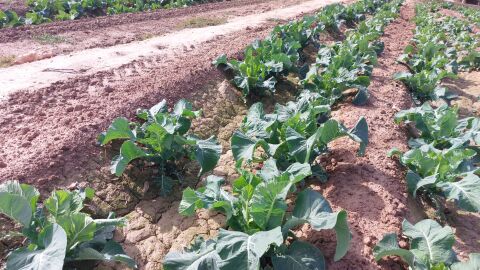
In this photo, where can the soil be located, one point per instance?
(372, 188)
(48, 138)
(19, 6)
(31, 43)
(43, 73)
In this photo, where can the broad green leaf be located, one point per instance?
(79, 228)
(128, 152)
(239, 250)
(189, 203)
(212, 196)
(388, 246)
(465, 192)
(28, 192)
(312, 208)
(359, 133)
(299, 146)
(244, 147)
(207, 153)
(298, 171)
(63, 202)
(299, 256)
(415, 182)
(119, 129)
(269, 170)
(203, 257)
(16, 207)
(112, 251)
(184, 108)
(361, 97)
(54, 239)
(268, 204)
(472, 264)
(429, 242)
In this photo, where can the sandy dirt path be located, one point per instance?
(28, 43)
(43, 73)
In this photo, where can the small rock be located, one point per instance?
(109, 89)
(403, 244)
(2, 164)
(73, 185)
(26, 144)
(33, 135)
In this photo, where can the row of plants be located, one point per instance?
(298, 131)
(267, 61)
(281, 147)
(443, 155)
(472, 14)
(42, 11)
(443, 151)
(58, 235)
(430, 248)
(442, 45)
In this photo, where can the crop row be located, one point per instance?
(42, 11)
(442, 160)
(284, 146)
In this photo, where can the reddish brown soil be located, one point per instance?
(19, 6)
(372, 188)
(25, 41)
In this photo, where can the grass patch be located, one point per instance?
(48, 39)
(6, 61)
(199, 22)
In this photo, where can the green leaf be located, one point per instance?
(472, 264)
(415, 182)
(299, 146)
(16, 207)
(361, 97)
(388, 246)
(184, 108)
(79, 228)
(207, 153)
(63, 202)
(54, 239)
(429, 242)
(111, 251)
(311, 207)
(244, 147)
(239, 250)
(201, 257)
(465, 193)
(299, 256)
(128, 152)
(359, 133)
(28, 192)
(221, 60)
(209, 197)
(298, 171)
(268, 204)
(119, 129)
